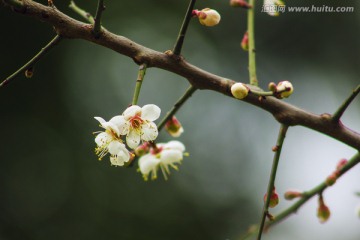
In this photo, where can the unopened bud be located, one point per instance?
(290, 195)
(272, 87)
(275, 148)
(323, 212)
(174, 127)
(142, 149)
(240, 3)
(29, 72)
(207, 17)
(285, 89)
(274, 199)
(341, 164)
(245, 42)
(330, 180)
(239, 90)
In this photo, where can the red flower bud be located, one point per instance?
(323, 212)
(245, 42)
(330, 180)
(274, 199)
(341, 164)
(174, 127)
(290, 195)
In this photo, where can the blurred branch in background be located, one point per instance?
(304, 197)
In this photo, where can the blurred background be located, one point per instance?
(53, 187)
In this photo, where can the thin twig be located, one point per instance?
(33, 61)
(176, 107)
(337, 115)
(283, 112)
(85, 15)
(306, 196)
(184, 26)
(251, 34)
(139, 80)
(97, 24)
(279, 144)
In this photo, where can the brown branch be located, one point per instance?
(285, 113)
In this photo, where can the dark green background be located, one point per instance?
(53, 187)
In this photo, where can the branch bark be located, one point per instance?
(284, 113)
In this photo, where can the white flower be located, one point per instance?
(137, 124)
(109, 142)
(164, 156)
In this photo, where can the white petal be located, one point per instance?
(115, 147)
(112, 127)
(102, 138)
(100, 119)
(133, 139)
(131, 111)
(150, 131)
(147, 163)
(121, 124)
(150, 112)
(120, 159)
(170, 156)
(175, 145)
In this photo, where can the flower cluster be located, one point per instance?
(135, 124)
(163, 156)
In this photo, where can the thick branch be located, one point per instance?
(283, 112)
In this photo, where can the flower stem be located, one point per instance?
(260, 93)
(279, 144)
(251, 34)
(184, 26)
(337, 115)
(33, 61)
(97, 23)
(139, 80)
(306, 196)
(176, 106)
(85, 15)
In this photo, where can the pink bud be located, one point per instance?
(174, 127)
(245, 42)
(274, 199)
(290, 195)
(330, 180)
(341, 164)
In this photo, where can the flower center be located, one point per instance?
(136, 122)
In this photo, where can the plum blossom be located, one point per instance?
(137, 124)
(164, 156)
(109, 142)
